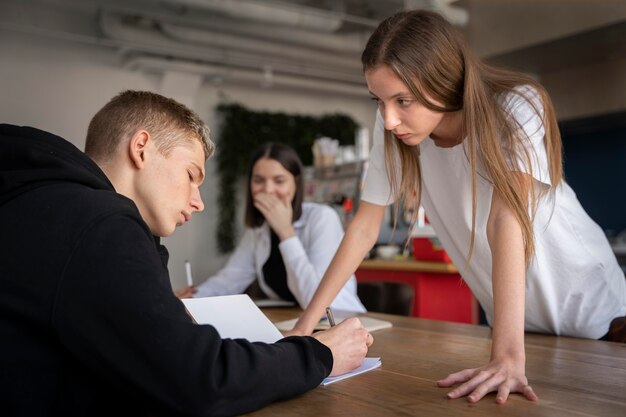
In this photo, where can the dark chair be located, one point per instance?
(386, 297)
(254, 291)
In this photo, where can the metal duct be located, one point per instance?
(352, 42)
(454, 14)
(260, 78)
(151, 41)
(267, 48)
(273, 13)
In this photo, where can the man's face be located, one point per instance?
(168, 188)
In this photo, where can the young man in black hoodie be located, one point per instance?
(89, 324)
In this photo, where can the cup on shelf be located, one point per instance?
(387, 251)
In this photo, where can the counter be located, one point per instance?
(439, 292)
(408, 265)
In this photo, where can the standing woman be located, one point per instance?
(479, 147)
(287, 244)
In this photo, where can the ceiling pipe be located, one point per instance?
(454, 14)
(154, 42)
(353, 42)
(221, 75)
(348, 42)
(224, 40)
(273, 13)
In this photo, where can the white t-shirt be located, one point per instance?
(574, 285)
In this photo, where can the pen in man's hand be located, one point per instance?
(329, 315)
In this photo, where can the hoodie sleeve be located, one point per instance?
(116, 313)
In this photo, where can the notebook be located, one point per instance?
(367, 365)
(369, 323)
(234, 317)
(237, 317)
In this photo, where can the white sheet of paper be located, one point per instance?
(234, 317)
(367, 365)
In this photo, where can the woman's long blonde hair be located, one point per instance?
(431, 57)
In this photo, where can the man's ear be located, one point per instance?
(137, 147)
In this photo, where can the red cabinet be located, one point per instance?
(440, 293)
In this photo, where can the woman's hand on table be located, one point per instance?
(186, 292)
(502, 376)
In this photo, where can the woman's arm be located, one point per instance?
(308, 256)
(505, 372)
(238, 273)
(359, 238)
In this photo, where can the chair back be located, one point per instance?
(386, 297)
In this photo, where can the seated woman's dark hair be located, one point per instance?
(289, 159)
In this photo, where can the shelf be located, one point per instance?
(410, 265)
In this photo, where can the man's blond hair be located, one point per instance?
(168, 122)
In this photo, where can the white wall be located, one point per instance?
(58, 86)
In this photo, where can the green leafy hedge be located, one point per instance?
(242, 131)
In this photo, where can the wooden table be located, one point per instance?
(572, 377)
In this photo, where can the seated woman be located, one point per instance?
(287, 244)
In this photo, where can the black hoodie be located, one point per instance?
(88, 321)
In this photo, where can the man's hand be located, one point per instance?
(348, 341)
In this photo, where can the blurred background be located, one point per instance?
(62, 60)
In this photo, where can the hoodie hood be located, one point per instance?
(30, 158)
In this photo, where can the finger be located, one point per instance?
(529, 393)
(267, 199)
(353, 322)
(503, 394)
(286, 201)
(456, 377)
(261, 207)
(469, 386)
(257, 201)
(490, 384)
(370, 340)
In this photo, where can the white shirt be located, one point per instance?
(306, 257)
(574, 285)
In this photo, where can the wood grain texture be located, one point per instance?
(573, 377)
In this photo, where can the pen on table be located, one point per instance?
(329, 315)
(188, 274)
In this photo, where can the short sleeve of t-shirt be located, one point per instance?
(521, 104)
(376, 188)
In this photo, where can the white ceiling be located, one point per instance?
(307, 44)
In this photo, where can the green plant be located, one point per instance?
(242, 131)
